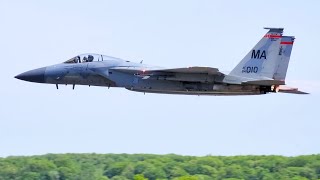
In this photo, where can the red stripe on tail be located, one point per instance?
(272, 36)
(286, 43)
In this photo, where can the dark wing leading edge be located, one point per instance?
(193, 70)
(189, 74)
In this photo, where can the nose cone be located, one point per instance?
(36, 75)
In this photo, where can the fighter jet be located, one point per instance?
(263, 70)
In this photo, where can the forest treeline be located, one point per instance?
(157, 167)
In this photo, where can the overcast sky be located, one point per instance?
(38, 119)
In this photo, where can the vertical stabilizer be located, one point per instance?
(261, 61)
(283, 58)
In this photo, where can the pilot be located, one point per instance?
(90, 58)
(85, 59)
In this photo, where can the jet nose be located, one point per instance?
(36, 75)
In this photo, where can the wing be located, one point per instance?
(190, 74)
(265, 82)
(195, 69)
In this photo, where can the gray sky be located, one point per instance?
(38, 119)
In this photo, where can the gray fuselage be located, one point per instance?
(105, 73)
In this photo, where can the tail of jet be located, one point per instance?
(267, 63)
(285, 50)
(260, 63)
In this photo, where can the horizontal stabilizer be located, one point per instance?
(285, 89)
(265, 82)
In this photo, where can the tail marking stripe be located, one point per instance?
(272, 36)
(286, 43)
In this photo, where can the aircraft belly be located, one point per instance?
(213, 93)
(191, 88)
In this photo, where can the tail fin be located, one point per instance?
(283, 58)
(261, 61)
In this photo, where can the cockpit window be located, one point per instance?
(84, 58)
(74, 60)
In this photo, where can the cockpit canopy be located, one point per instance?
(83, 58)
